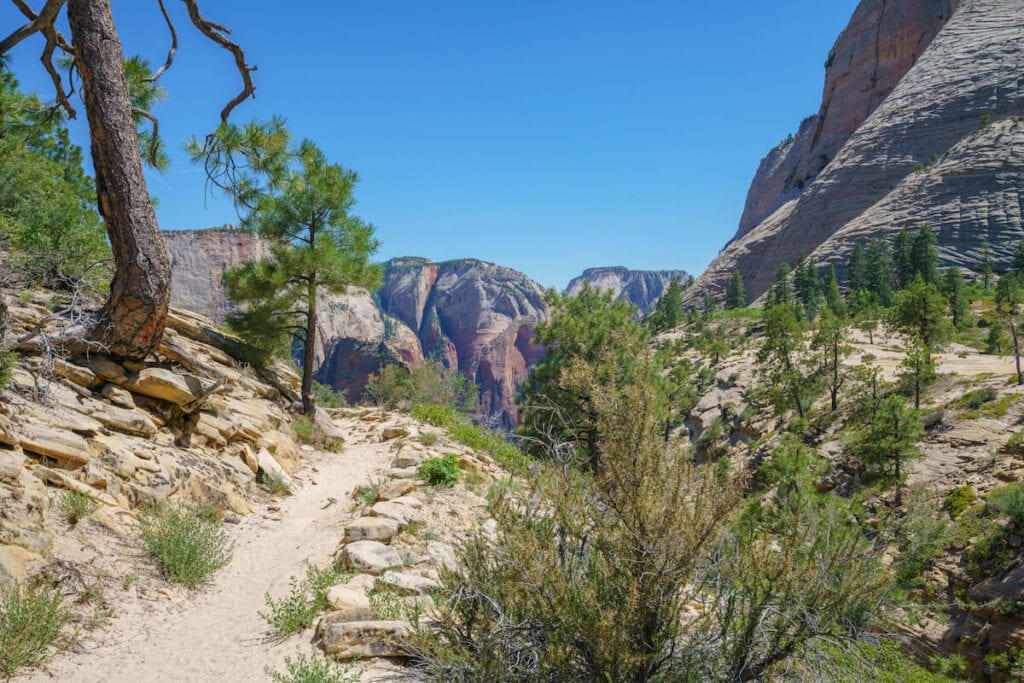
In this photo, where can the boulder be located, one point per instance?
(75, 373)
(395, 488)
(442, 554)
(55, 443)
(408, 459)
(118, 396)
(271, 467)
(389, 433)
(348, 604)
(408, 501)
(409, 584)
(403, 514)
(124, 420)
(13, 559)
(59, 478)
(174, 387)
(371, 557)
(106, 369)
(351, 639)
(371, 529)
(11, 463)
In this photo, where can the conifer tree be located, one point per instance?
(833, 298)
(855, 275)
(889, 441)
(781, 291)
(901, 259)
(300, 204)
(955, 289)
(831, 345)
(917, 367)
(1008, 300)
(668, 311)
(710, 305)
(736, 294)
(921, 310)
(782, 358)
(808, 286)
(868, 314)
(924, 257)
(879, 270)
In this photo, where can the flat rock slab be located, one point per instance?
(409, 584)
(177, 388)
(371, 557)
(395, 488)
(350, 639)
(348, 604)
(371, 529)
(408, 501)
(403, 514)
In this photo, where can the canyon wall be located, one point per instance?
(642, 288)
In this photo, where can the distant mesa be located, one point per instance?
(642, 288)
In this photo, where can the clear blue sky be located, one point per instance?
(548, 136)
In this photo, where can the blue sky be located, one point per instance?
(548, 136)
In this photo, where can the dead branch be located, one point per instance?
(173, 49)
(154, 139)
(218, 33)
(46, 17)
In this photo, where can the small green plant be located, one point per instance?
(460, 429)
(278, 486)
(1009, 500)
(977, 398)
(127, 581)
(370, 493)
(327, 397)
(428, 438)
(76, 506)
(188, 546)
(306, 598)
(389, 605)
(7, 362)
(31, 618)
(313, 669)
(442, 471)
(1015, 444)
(303, 427)
(958, 500)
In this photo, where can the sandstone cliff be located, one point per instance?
(474, 316)
(642, 288)
(917, 125)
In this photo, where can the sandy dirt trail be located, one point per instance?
(215, 633)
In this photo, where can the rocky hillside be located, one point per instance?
(642, 288)
(474, 316)
(918, 124)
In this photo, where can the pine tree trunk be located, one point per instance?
(133, 319)
(1016, 352)
(308, 404)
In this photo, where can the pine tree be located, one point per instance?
(924, 257)
(1017, 262)
(710, 305)
(889, 441)
(855, 274)
(833, 298)
(782, 358)
(808, 286)
(299, 204)
(955, 289)
(917, 367)
(1008, 299)
(668, 310)
(831, 345)
(921, 310)
(782, 291)
(736, 294)
(879, 270)
(901, 259)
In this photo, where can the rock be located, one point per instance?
(364, 583)
(642, 288)
(389, 433)
(443, 554)
(75, 373)
(960, 173)
(394, 488)
(408, 501)
(371, 529)
(106, 369)
(371, 557)
(8, 432)
(59, 478)
(118, 396)
(13, 559)
(403, 514)
(271, 467)
(348, 640)
(402, 472)
(174, 387)
(123, 420)
(12, 461)
(58, 444)
(348, 604)
(409, 584)
(323, 424)
(408, 459)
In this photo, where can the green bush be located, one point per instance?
(327, 397)
(1015, 444)
(313, 669)
(459, 428)
(275, 485)
(187, 545)
(306, 598)
(1009, 500)
(428, 384)
(31, 617)
(977, 398)
(7, 361)
(959, 500)
(442, 471)
(76, 506)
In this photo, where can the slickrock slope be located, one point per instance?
(950, 118)
(642, 288)
(477, 317)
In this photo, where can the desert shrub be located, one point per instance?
(1014, 445)
(7, 362)
(76, 506)
(327, 397)
(303, 427)
(306, 598)
(1009, 500)
(922, 536)
(188, 546)
(31, 617)
(278, 486)
(977, 398)
(459, 428)
(958, 500)
(388, 604)
(428, 384)
(428, 438)
(441, 471)
(312, 669)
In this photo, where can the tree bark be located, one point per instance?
(132, 322)
(1016, 352)
(308, 348)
